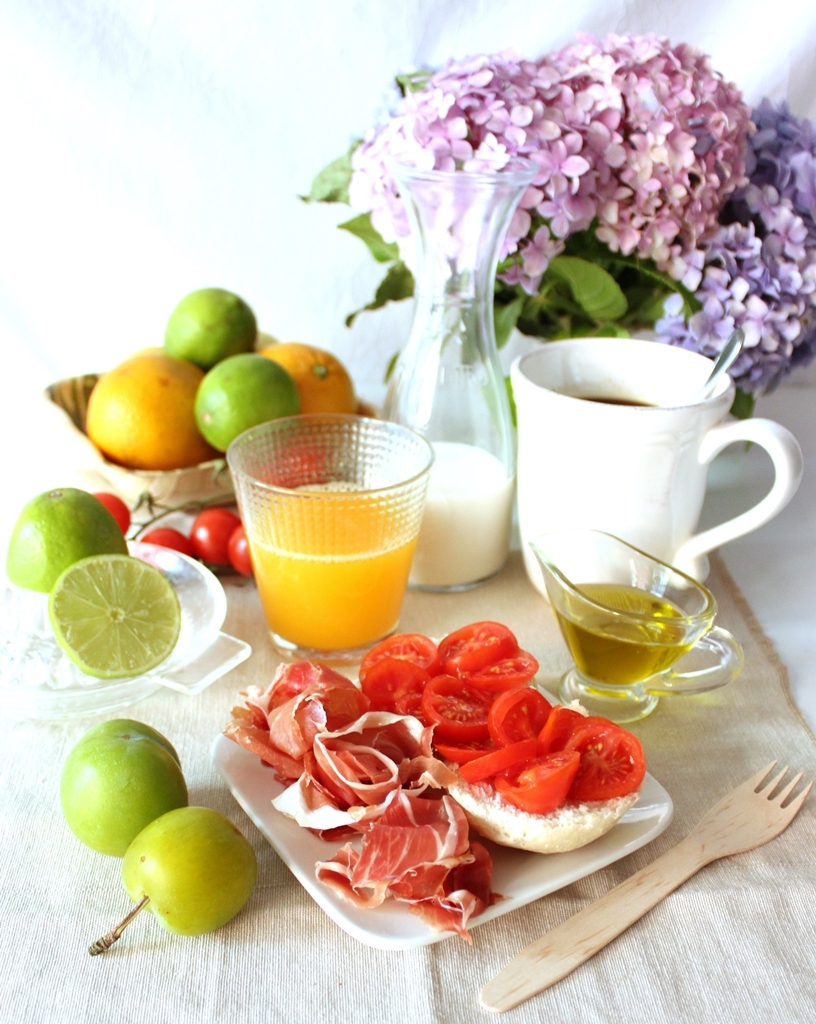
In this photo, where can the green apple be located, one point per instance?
(195, 867)
(119, 777)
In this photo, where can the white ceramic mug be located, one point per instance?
(638, 471)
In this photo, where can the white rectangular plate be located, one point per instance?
(519, 876)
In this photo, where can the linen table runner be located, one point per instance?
(735, 943)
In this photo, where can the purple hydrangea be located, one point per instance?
(758, 272)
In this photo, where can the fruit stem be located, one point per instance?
(192, 505)
(115, 934)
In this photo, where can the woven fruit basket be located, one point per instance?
(166, 487)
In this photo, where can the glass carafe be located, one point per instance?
(448, 383)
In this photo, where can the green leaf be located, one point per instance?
(362, 228)
(398, 284)
(743, 407)
(505, 318)
(332, 183)
(414, 81)
(607, 330)
(392, 362)
(595, 290)
(512, 399)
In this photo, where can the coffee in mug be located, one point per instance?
(610, 438)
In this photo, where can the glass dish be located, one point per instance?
(519, 876)
(37, 680)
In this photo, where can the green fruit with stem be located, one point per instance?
(119, 777)
(193, 870)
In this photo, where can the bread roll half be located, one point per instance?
(566, 828)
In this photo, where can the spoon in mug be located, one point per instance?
(730, 351)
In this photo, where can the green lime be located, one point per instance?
(56, 529)
(114, 616)
(208, 325)
(241, 392)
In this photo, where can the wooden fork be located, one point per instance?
(750, 815)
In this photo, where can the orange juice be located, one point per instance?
(331, 602)
(331, 563)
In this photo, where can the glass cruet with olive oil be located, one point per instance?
(636, 627)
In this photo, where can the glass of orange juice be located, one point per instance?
(332, 507)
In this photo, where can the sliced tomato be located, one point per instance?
(473, 647)
(414, 647)
(500, 760)
(462, 753)
(409, 704)
(458, 711)
(612, 761)
(506, 674)
(560, 725)
(516, 715)
(389, 680)
(542, 786)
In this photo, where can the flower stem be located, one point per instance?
(105, 943)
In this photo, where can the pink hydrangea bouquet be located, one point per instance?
(660, 200)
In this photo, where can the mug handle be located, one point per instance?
(786, 456)
(722, 659)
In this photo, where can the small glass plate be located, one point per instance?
(37, 680)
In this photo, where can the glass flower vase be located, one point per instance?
(448, 382)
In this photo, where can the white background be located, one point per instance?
(149, 148)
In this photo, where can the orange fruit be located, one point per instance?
(140, 414)
(323, 383)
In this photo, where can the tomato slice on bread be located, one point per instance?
(516, 715)
(612, 762)
(501, 760)
(560, 725)
(473, 647)
(542, 786)
(389, 682)
(457, 710)
(461, 753)
(413, 647)
(506, 674)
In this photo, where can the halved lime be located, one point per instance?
(114, 616)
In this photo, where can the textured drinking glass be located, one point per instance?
(635, 627)
(332, 507)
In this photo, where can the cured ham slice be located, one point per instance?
(373, 756)
(358, 768)
(417, 852)
(303, 700)
(349, 771)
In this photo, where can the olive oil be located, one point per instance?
(625, 635)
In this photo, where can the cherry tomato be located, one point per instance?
(461, 753)
(475, 646)
(560, 725)
(410, 704)
(506, 674)
(516, 715)
(117, 508)
(458, 711)
(238, 552)
(210, 534)
(612, 761)
(500, 760)
(543, 785)
(413, 647)
(391, 679)
(169, 538)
